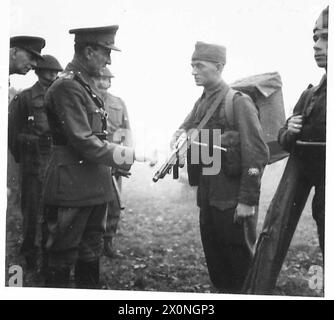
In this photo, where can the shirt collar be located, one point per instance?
(219, 86)
(322, 83)
(81, 71)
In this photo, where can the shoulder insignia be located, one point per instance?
(253, 171)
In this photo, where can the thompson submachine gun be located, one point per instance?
(179, 151)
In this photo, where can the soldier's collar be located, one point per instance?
(321, 83)
(37, 90)
(221, 85)
(80, 71)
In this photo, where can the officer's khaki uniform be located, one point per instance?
(78, 180)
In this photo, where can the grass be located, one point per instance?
(158, 241)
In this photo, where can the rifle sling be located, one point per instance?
(212, 109)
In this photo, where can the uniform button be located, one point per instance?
(81, 162)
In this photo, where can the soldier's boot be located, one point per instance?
(87, 274)
(57, 277)
(108, 250)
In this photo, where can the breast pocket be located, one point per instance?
(115, 117)
(40, 117)
(40, 113)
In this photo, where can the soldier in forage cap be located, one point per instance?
(24, 53)
(119, 131)
(78, 182)
(30, 143)
(228, 201)
(308, 124)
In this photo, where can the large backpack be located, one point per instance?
(266, 92)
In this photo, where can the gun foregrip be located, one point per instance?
(176, 170)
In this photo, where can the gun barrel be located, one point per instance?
(310, 144)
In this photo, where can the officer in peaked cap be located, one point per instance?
(78, 182)
(30, 143)
(103, 36)
(25, 51)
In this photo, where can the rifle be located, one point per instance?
(183, 144)
(310, 144)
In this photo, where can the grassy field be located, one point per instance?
(158, 242)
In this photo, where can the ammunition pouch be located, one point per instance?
(231, 162)
(231, 158)
(194, 170)
(27, 138)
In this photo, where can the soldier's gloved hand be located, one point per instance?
(182, 136)
(177, 138)
(243, 211)
(295, 124)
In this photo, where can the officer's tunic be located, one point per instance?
(30, 143)
(228, 250)
(119, 131)
(78, 181)
(311, 160)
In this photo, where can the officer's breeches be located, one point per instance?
(74, 233)
(228, 247)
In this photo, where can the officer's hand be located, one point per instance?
(295, 124)
(121, 173)
(243, 211)
(144, 156)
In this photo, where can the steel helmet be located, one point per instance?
(105, 72)
(49, 63)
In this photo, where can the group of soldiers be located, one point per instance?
(31, 143)
(71, 137)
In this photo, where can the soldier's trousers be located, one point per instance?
(228, 247)
(31, 203)
(74, 234)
